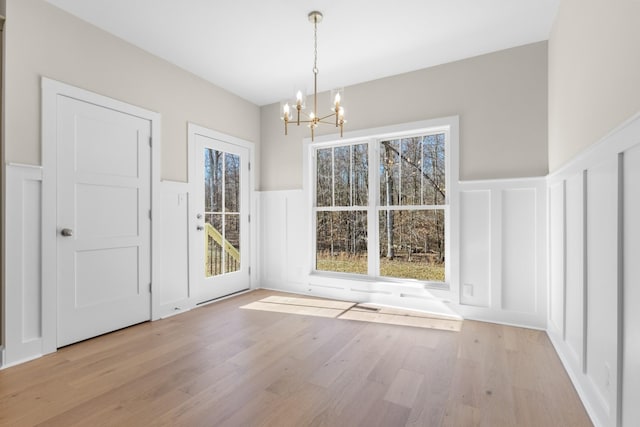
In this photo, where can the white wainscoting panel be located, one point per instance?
(600, 347)
(23, 276)
(296, 215)
(575, 313)
(503, 234)
(31, 260)
(173, 284)
(519, 273)
(556, 256)
(475, 247)
(273, 262)
(602, 278)
(284, 255)
(631, 300)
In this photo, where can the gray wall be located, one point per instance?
(501, 99)
(42, 40)
(594, 64)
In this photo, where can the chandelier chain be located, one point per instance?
(315, 46)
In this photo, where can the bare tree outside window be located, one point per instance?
(222, 212)
(411, 215)
(410, 210)
(342, 181)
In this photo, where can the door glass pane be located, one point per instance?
(213, 245)
(232, 183)
(412, 244)
(222, 212)
(232, 243)
(341, 241)
(213, 180)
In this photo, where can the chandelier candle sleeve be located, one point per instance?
(337, 95)
(285, 114)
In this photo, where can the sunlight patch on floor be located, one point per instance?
(352, 311)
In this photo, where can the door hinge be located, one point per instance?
(149, 287)
(149, 213)
(249, 271)
(249, 218)
(249, 163)
(150, 141)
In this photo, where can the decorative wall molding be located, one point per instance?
(23, 322)
(521, 202)
(594, 206)
(173, 285)
(503, 247)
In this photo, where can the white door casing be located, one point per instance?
(104, 232)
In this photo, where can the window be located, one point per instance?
(342, 194)
(381, 206)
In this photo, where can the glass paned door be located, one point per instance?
(222, 212)
(220, 243)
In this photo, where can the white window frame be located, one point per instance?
(447, 125)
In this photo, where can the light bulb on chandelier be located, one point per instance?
(289, 109)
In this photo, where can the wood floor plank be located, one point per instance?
(404, 388)
(225, 366)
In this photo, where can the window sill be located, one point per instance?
(382, 281)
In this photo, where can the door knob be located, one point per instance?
(66, 232)
(199, 228)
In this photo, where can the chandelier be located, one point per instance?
(313, 119)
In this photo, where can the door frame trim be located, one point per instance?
(51, 89)
(193, 130)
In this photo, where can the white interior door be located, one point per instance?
(221, 236)
(103, 218)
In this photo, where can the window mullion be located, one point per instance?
(223, 209)
(333, 176)
(422, 170)
(351, 201)
(372, 211)
(314, 207)
(400, 162)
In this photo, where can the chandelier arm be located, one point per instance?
(327, 116)
(303, 114)
(325, 122)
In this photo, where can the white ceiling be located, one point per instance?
(261, 49)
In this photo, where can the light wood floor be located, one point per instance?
(219, 365)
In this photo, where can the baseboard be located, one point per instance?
(575, 378)
(18, 362)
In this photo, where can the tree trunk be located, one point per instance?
(389, 184)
